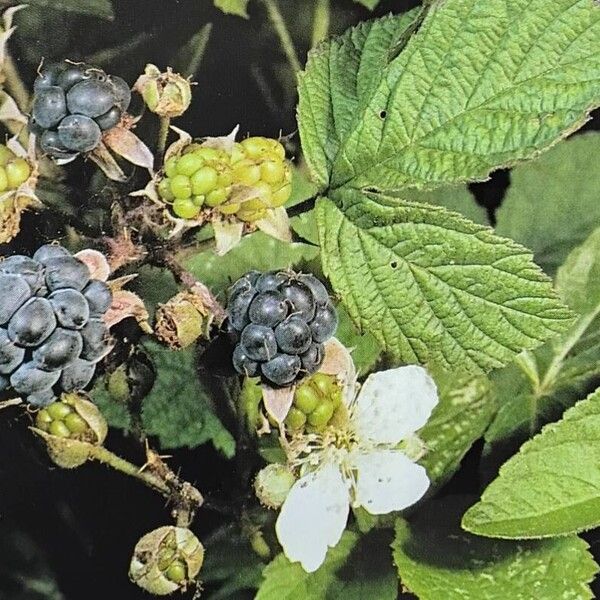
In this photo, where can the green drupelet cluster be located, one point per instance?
(206, 178)
(61, 420)
(316, 402)
(14, 171)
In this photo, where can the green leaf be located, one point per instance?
(552, 486)
(339, 78)
(257, 251)
(353, 570)
(435, 559)
(365, 348)
(564, 181)
(482, 84)
(115, 413)
(233, 7)
(230, 562)
(465, 410)
(432, 286)
(178, 409)
(96, 8)
(284, 580)
(541, 386)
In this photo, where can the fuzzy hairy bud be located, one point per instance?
(166, 94)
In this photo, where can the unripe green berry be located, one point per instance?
(255, 147)
(295, 418)
(3, 180)
(306, 398)
(17, 172)
(198, 200)
(43, 419)
(181, 187)
(217, 197)
(237, 154)
(211, 154)
(59, 410)
(188, 164)
(281, 196)
(324, 383)
(251, 215)
(185, 208)
(246, 173)
(75, 423)
(59, 429)
(177, 571)
(272, 171)
(164, 189)
(321, 415)
(229, 209)
(171, 167)
(225, 178)
(204, 180)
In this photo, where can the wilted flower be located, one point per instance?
(167, 94)
(364, 463)
(166, 559)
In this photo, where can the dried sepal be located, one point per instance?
(166, 94)
(126, 304)
(228, 234)
(166, 560)
(182, 320)
(69, 449)
(276, 223)
(106, 161)
(7, 29)
(95, 262)
(122, 141)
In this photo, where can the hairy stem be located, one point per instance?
(117, 463)
(321, 19)
(161, 142)
(200, 43)
(283, 33)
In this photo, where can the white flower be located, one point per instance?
(360, 464)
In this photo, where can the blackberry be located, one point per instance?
(72, 105)
(203, 178)
(279, 321)
(51, 329)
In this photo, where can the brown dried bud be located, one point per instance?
(183, 320)
(166, 94)
(166, 560)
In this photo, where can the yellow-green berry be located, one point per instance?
(306, 398)
(185, 208)
(164, 189)
(17, 172)
(295, 418)
(319, 417)
(188, 164)
(204, 180)
(181, 187)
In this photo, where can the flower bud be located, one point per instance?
(166, 94)
(166, 559)
(182, 320)
(70, 428)
(272, 484)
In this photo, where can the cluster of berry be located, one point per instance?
(72, 105)
(279, 321)
(316, 401)
(205, 177)
(61, 420)
(51, 328)
(14, 171)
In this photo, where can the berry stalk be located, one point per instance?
(321, 19)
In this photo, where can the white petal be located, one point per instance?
(395, 403)
(313, 516)
(387, 480)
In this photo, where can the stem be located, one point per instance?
(163, 134)
(106, 457)
(15, 84)
(284, 35)
(557, 362)
(200, 41)
(321, 21)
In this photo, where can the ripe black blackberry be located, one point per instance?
(51, 328)
(72, 105)
(280, 321)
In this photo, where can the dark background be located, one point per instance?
(83, 524)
